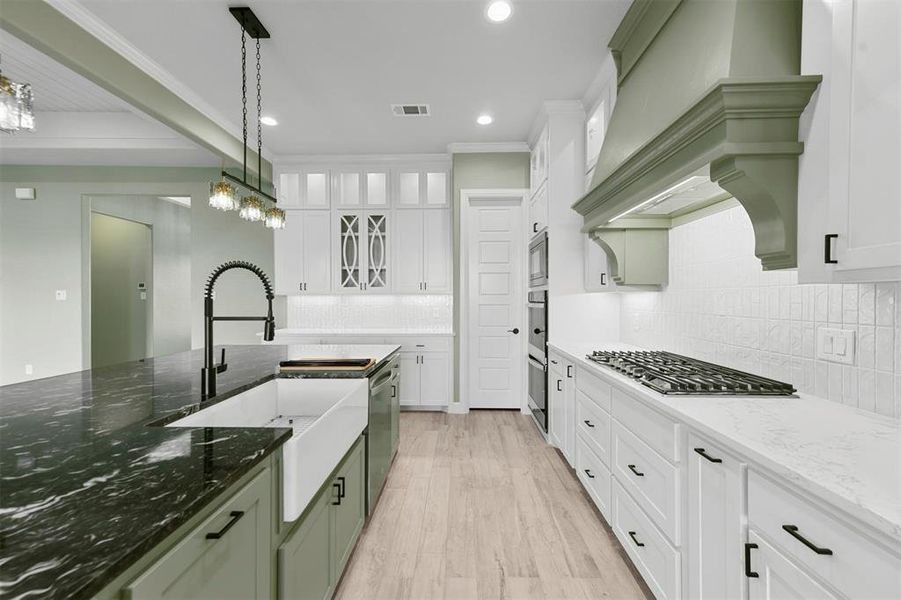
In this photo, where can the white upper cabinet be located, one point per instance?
(347, 188)
(422, 187)
(849, 181)
(288, 192)
(539, 161)
(436, 251)
(362, 251)
(376, 191)
(315, 189)
(303, 254)
(423, 251)
(538, 211)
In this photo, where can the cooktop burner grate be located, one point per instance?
(670, 373)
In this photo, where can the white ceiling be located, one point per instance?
(332, 68)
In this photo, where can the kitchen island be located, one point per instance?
(89, 480)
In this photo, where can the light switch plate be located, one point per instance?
(61, 294)
(836, 345)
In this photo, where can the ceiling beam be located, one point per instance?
(48, 30)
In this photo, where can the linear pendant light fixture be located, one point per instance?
(223, 193)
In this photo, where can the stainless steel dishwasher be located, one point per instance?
(383, 431)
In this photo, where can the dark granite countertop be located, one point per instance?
(87, 486)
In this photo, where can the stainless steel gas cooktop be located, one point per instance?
(669, 373)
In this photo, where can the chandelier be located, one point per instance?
(16, 106)
(223, 193)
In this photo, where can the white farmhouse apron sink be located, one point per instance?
(327, 416)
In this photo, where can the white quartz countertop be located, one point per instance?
(849, 457)
(376, 351)
(366, 332)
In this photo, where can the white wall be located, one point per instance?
(720, 306)
(41, 250)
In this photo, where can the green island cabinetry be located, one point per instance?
(238, 548)
(312, 559)
(227, 556)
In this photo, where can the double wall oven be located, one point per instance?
(538, 316)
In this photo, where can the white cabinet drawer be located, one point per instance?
(656, 560)
(857, 566)
(594, 476)
(593, 423)
(594, 387)
(657, 430)
(424, 344)
(651, 480)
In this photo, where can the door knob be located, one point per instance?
(514, 331)
(537, 330)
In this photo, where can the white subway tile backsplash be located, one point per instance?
(720, 306)
(358, 312)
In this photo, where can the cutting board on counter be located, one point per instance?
(326, 364)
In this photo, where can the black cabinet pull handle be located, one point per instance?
(589, 423)
(394, 391)
(748, 571)
(634, 470)
(343, 489)
(534, 227)
(827, 250)
(559, 385)
(793, 531)
(337, 501)
(603, 279)
(235, 517)
(635, 539)
(703, 453)
(569, 371)
(587, 472)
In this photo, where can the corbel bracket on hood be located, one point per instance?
(747, 131)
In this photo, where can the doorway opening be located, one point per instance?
(121, 281)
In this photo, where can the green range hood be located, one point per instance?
(707, 108)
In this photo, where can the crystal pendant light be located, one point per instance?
(275, 218)
(251, 208)
(16, 106)
(222, 196)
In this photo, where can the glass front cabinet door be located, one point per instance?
(363, 251)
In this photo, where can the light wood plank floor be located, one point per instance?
(478, 506)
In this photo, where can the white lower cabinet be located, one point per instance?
(700, 521)
(594, 476)
(424, 379)
(561, 405)
(715, 522)
(654, 557)
(775, 577)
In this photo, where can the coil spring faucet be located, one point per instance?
(210, 370)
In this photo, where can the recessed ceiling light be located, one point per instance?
(485, 120)
(499, 11)
(270, 121)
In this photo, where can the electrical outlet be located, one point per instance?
(836, 345)
(61, 294)
(29, 369)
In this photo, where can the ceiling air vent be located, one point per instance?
(410, 110)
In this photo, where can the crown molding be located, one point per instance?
(76, 12)
(286, 160)
(486, 147)
(553, 107)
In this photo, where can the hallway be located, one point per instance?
(478, 506)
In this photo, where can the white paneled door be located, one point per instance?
(495, 278)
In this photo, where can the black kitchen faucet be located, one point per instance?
(210, 370)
